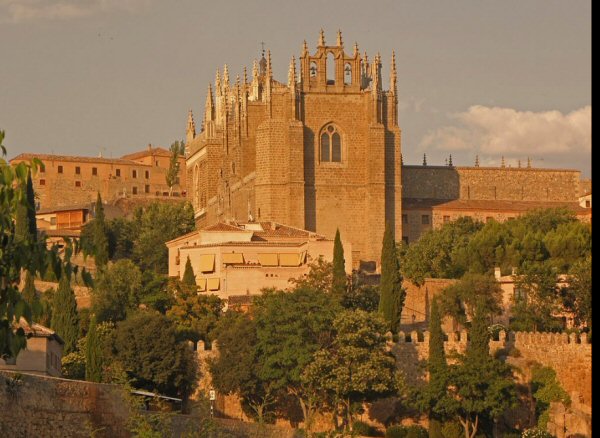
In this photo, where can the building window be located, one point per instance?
(347, 74)
(404, 218)
(147, 189)
(134, 190)
(77, 170)
(147, 174)
(134, 173)
(95, 171)
(446, 219)
(425, 219)
(60, 169)
(118, 172)
(77, 183)
(53, 220)
(42, 182)
(313, 69)
(156, 163)
(588, 204)
(331, 145)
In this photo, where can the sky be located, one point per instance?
(493, 79)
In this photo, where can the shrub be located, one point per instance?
(362, 428)
(452, 429)
(395, 431)
(416, 431)
(535, 432)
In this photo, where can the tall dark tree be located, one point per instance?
(172, 176)
(25, 225)
(31, 296)
(479, 345)
(93, 354)
(339, 269)
(189, 278)
(392, 294)
(65, 319)
(100, 235)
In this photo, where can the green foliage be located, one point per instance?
(579, 292)
(65, 319)
(93, 354)
(546, 389)
(355, 367)
(392, 294)
(395, 431)
(459, 300)
(435, 428)
(100, 235)
(189, 279)
(452, 429)
(31, 296)
(339, 282)
(440, 253)
(172, 174)
(361, 297)
(416, 431)
(155, 293)
(73, 365)
(25, 223)
(535, 432)
(117, 291)
(195, 315)
(319, 277)
(122, 234)
(364, 429)
(146, 345)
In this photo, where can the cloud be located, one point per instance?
(20, 11)
(496, 132)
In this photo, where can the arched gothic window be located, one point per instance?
(347, 74)
(331, 144)
(330, 69)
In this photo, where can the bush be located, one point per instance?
(362, 428)
(535, 432)
(416, 431)
(452, 429)
(395, 431)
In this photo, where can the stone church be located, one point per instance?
(319, 152)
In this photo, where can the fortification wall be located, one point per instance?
(38, 406)
(490, 183)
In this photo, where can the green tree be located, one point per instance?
(147, 346)
(291, 327)
(319, 277)
(459, 299)
(65, 319)
(235, 370)
(546, 389)
(93, 354)
(189, 279)
(100, 235)
(392, 294)
(25, 223)
(339, 282)
(117, 291)
(580, 291)
(31, 296)
(172, 176)
(355, 367)
(195, 315)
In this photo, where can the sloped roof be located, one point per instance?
(26, 156)
(161, 152)
(36, 330)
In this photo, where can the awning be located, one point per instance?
(268, 259)
(213, 283)
(289, 259)
(207, 263)
(233, 258)
(201, 282)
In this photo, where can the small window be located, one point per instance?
(588, 204)
(146, 188)
(425, 219)
(134, 190)
(77, 183)
(60, 169)
(313, 69)
(156, 163)
(42, 182)
(404, 219)
(147, 174)
(118, 172)
(77, 170)
(134, 173)
(347, 74)
(95, 171)
(446, 219)
(53, 220)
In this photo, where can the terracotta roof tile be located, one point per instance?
(161, 152)
(73, 158)
(222, 226)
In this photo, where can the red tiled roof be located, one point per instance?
(38, 331)
(73, 158)
(222, 226)
(252, 243)
(485, 205)
(161, 152)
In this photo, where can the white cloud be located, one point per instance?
(19, 11)
(496, 132)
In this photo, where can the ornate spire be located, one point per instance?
(218, 83)
(245, 77)
(339, 41)
(208, 106)
(356, 49)
(321, 38)
(476, 160)
(424, 159)
(304, 49)
(292, 73)
(190, 132)
(450, 161)
(502, 164)
(269, 71)
(393, 76)
(225, 76)
(255, 70)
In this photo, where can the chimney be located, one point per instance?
(497, 273)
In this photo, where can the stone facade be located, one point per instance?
(72, 180)
(319, 153)
(434, 195)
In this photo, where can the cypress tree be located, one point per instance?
(188, 275)
(25, 226)
(479, 347)
(32, 224)
(339, 269)
(93, 354)
(30, 295)
(392, 295)
(437, 355)
(65, 319)
(100, 235)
